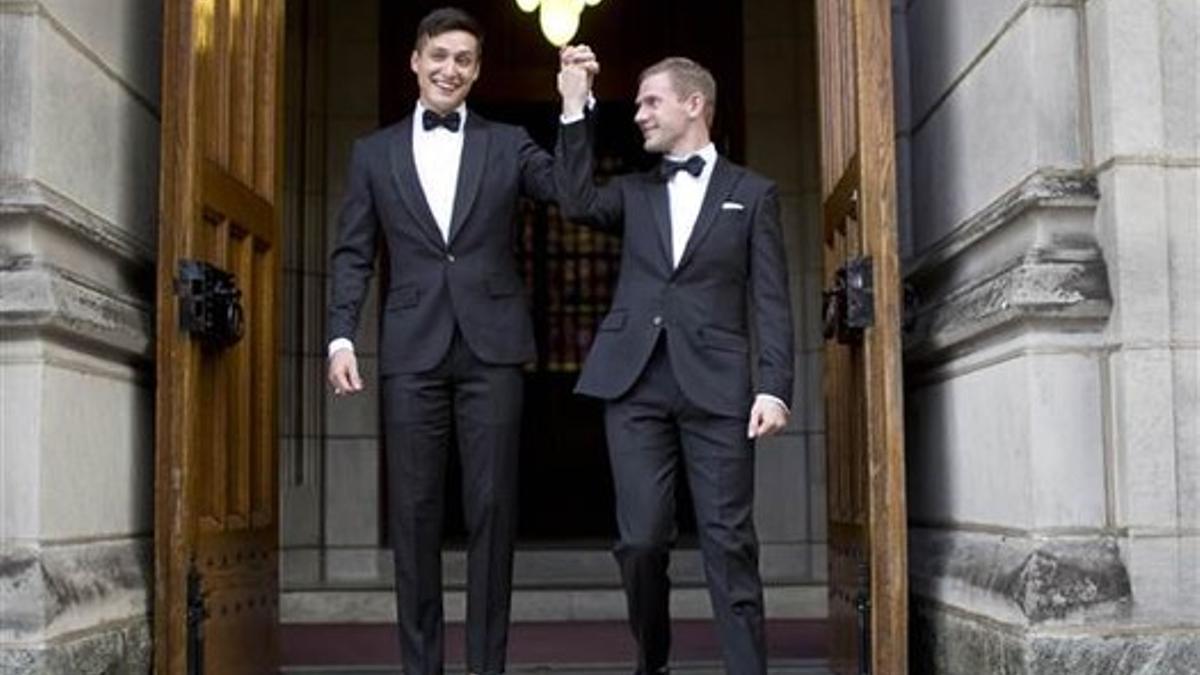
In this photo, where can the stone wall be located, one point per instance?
(782, 123)
(1145, 116)
(1048, 156)
(79, 139)
(330, 448)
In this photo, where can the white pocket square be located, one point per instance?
(732, 206)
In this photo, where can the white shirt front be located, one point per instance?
(437, 154)
(685, 193)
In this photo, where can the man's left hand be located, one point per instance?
(767, 417)
(577, 67)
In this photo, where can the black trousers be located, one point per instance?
(654, 434)
(483, 401)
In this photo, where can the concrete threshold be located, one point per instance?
(797, 667)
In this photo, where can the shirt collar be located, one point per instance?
(708, 152)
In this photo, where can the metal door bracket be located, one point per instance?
(849, 307)
(210, 304)
(196, 614)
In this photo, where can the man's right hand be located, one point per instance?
(577, 67)
(343, 373)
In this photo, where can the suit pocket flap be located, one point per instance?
(720, 338)
(501, 285)
(402, 296)
(615, 320)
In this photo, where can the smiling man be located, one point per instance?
(702, 270)
(440, 189)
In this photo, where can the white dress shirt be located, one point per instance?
(437, 154)
(685, 193)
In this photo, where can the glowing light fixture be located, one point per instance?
(559, 19)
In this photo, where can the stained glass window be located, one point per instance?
(571, 271)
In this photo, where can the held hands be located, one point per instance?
(767, 416)
(577, 68)
(343, 373)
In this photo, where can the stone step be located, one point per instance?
(804, 667)
(793, 646)
(550, 584)
(566, 567)
(357, 605)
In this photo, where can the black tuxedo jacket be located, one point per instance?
(472, 280)
(731, 282)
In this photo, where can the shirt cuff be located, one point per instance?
(338, 344)
(774, 399)
(571, 119)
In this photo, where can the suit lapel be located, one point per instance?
(723, 180)
(660, 206)
(470, 172)
(404, 170)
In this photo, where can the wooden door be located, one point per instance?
(863, 396)
(216, 519)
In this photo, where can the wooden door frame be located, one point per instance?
(885, 407)
(176, 205)
(858, 182)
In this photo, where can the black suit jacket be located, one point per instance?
(731, 282)
(472, 280)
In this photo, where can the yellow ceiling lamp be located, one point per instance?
(559, 19)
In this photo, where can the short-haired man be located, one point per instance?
(702, 268)
(440, 188)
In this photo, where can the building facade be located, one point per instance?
(1049, 182)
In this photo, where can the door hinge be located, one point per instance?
(210, 304)
(862, 610)
(912, 305)
(849, 307)
(196, 614)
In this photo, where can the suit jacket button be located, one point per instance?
(657, 321)
(450, 257)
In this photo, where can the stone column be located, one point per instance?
(1051, 375)
(1142, 63)
(79, 140)
(330, 469)
(781, 143)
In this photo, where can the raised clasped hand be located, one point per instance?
(577, 68)
(580, 56)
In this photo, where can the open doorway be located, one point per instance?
(330, 465)
(352, 57)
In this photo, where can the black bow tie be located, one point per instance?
(432, 120)
(693, 165)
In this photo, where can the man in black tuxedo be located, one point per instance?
(440, 189)
(702, 269)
